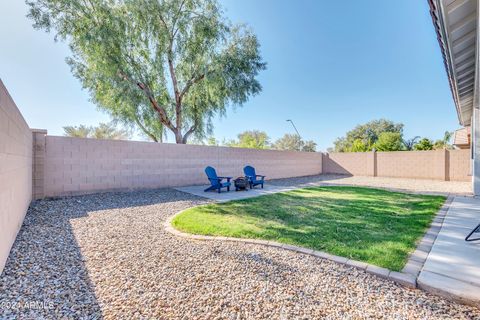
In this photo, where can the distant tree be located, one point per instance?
(445, 142)
(342, 145)
(389, 141)
(158, 65)
(102, 131)
(368, 133)
(289, 142)
(410, 143)
(82, 131)
(309, 146)
(439, 145)
(447, 136)
(253, 139)
(423, 144)
(359, 146)
(110, 131)
(211, 141)
(196, 141)
(294, 142)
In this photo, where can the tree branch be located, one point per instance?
(190, 83)
(161, 111)
(171, 67)
(157, 107)
(174, 31)
(188, 133)
(178, 101)
(148, 133)
(173, 76)
(163, 21)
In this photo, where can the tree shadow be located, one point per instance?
(309, 180)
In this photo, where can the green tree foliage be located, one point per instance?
(211, 141)
(439, 144)
(389, 141)
(82, 131)
(410, 143)
(423, 144)
(157, 65)
(359, 146)
(445, 142)
(309, 146)
(293, 142)
(367, 133)
(253, 139)
(102, 131)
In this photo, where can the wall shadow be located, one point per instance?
(308, 180)
(46, 274)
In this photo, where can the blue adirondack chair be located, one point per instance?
(253, 178)
(216, 181)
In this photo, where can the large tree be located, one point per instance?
(364, 136)
(160, 65)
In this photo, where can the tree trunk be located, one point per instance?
(179, 137)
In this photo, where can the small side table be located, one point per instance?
(241, 183)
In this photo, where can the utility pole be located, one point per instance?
(295, 128)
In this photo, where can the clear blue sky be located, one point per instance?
(331, 65)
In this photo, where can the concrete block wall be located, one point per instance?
(447, 165)
(69, 166)
(460, 165)
(76, 165)
(412, 164)
(352, 163)
(38, 175)
(15, 171)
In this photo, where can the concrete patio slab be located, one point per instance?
(232, 194)
(452, 267)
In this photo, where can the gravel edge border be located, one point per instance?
(407, 277)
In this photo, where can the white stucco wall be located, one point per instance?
(476, 151)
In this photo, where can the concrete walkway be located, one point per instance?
(452, 268)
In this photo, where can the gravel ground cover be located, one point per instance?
(108, 256)
(401, 184)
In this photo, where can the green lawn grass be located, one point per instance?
(371, 225)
